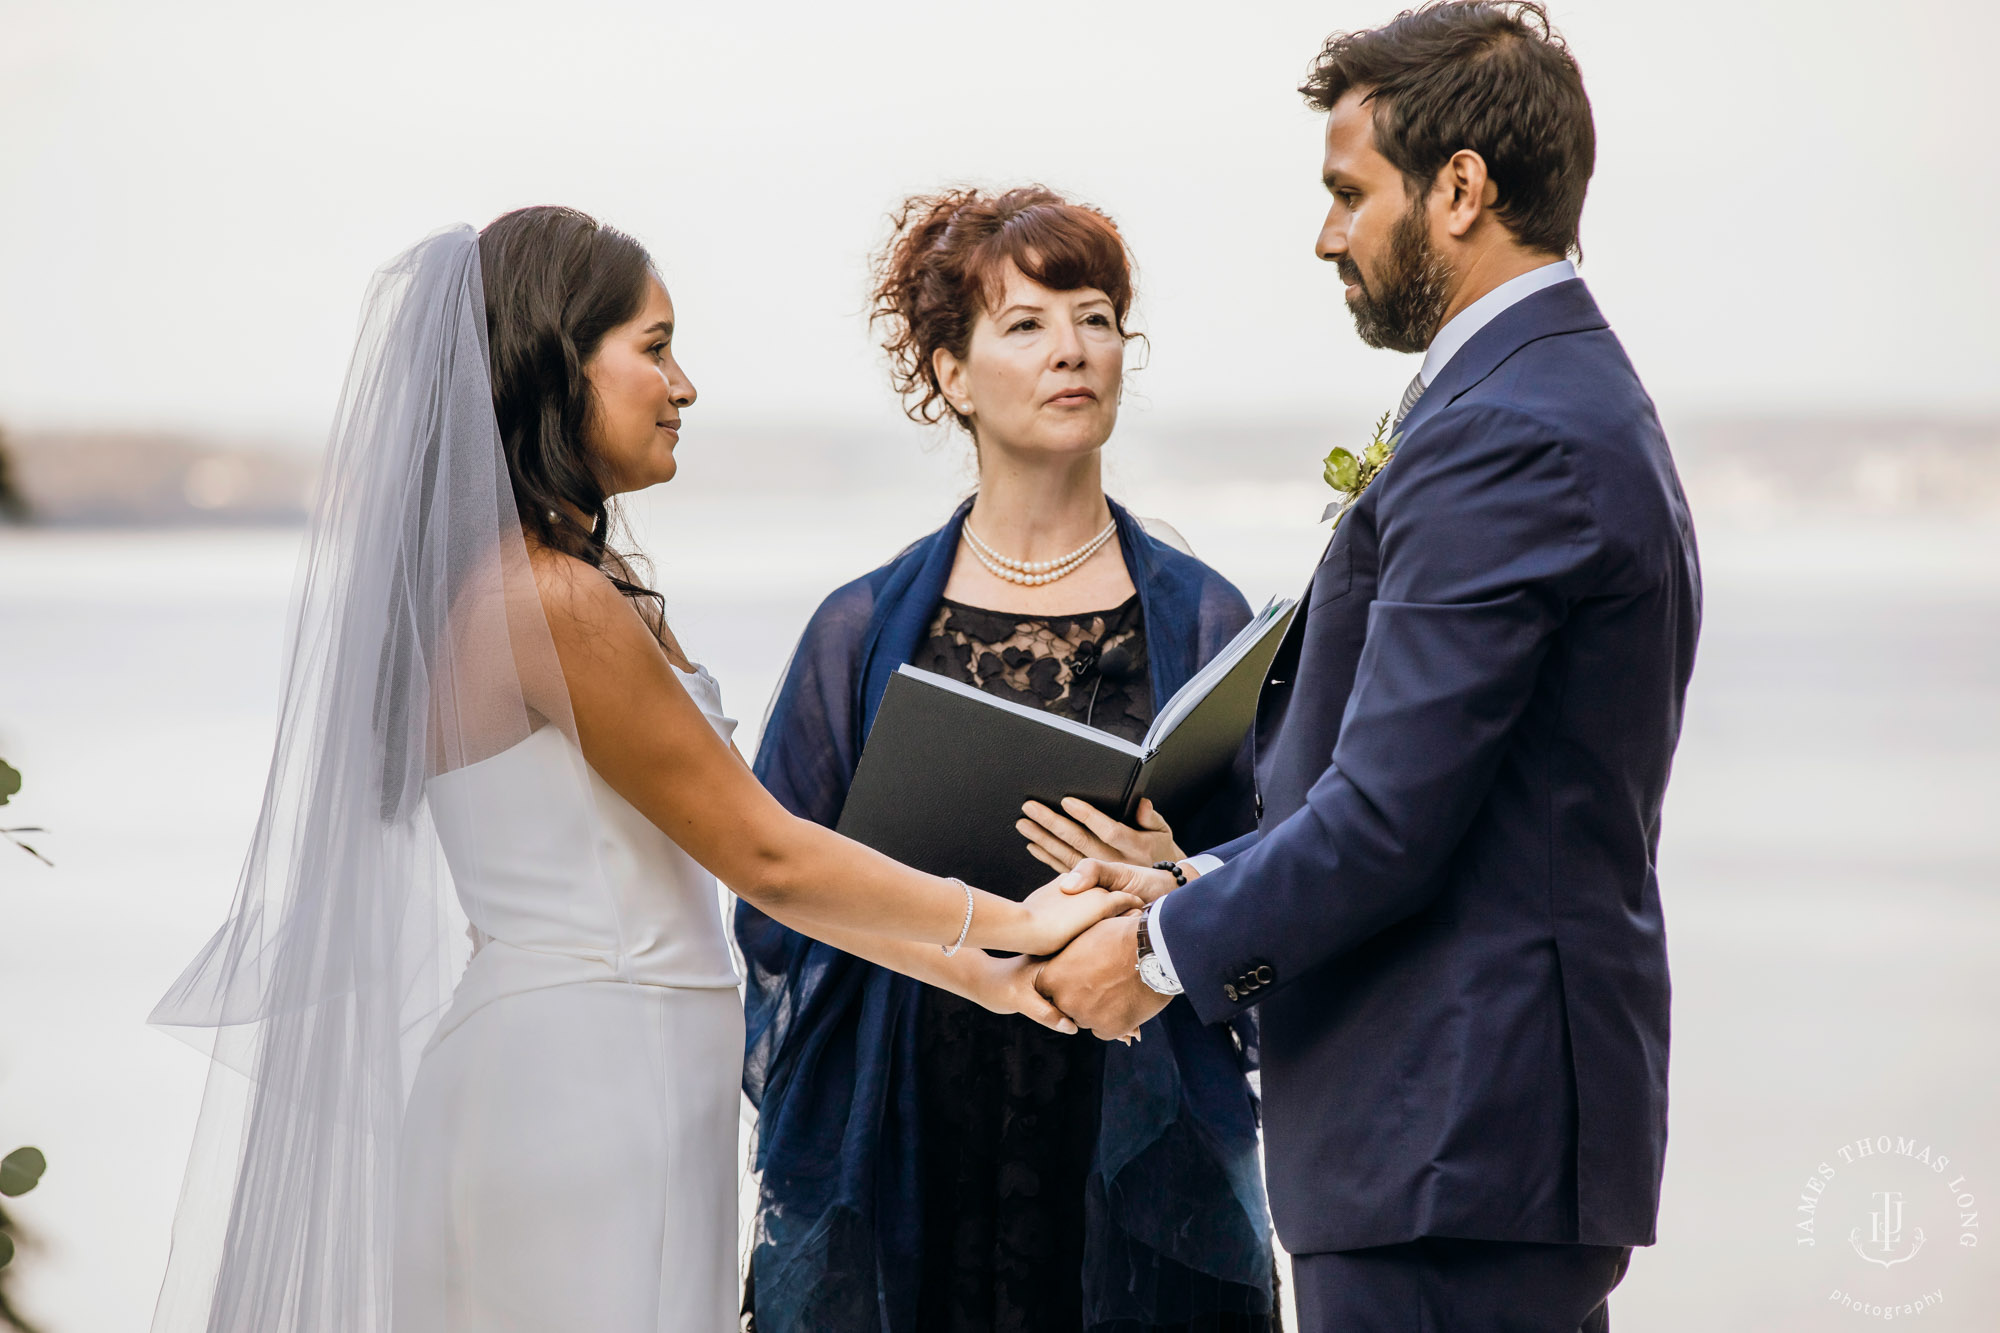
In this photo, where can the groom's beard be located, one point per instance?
(1403, 308)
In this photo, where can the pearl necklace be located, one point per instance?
(1031, 573)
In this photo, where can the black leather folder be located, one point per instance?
(946, 768)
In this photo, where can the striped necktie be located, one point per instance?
(1410, 396)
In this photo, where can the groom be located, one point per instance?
(1448, 917)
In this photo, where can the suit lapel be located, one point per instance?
(1564, 308)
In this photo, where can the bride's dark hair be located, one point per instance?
(556, 282)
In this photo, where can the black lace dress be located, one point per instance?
(1009, 1109)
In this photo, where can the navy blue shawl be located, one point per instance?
(1176, 1220)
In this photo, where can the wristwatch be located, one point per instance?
(1151, 970)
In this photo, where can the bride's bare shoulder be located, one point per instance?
(576, 594)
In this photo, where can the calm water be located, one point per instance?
(1831, 865)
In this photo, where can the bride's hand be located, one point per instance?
(1055, 916)
(1008, 987)
(1059, 841)
(1144, 882)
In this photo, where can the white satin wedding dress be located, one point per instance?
(569, 1155)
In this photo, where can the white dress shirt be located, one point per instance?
(1456, 333)
(1458, 330)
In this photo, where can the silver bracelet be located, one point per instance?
(965, 929)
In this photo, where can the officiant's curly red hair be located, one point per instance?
(947, 260)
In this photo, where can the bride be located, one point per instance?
(476, 1035)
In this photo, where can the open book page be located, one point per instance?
(1266, 622)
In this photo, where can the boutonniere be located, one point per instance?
(1350, 475)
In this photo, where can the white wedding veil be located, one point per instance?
(417, 645)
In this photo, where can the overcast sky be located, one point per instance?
(1793, 205)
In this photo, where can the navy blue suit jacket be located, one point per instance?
(1448, 917)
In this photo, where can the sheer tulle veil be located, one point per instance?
(417, 645)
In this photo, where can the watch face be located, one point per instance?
(1154, 974)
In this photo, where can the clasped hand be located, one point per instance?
(1056, 914)
(1095, 981)
(1092, 977)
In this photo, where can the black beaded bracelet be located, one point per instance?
(1173, 868)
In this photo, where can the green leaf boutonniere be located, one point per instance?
(1350, 475)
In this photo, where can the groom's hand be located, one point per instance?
(1096, 980)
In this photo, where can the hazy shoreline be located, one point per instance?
(1750, 464)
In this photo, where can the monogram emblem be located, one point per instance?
(1885, 1233)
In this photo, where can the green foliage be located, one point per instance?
(1343, 471)
(19, 1173)
(10, 783)
(21, 1170)
(1350, 475)
(13, 504)
(12, 1240)
(1377, 455)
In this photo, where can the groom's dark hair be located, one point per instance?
(1492, 76)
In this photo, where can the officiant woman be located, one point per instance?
(925, 1164)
